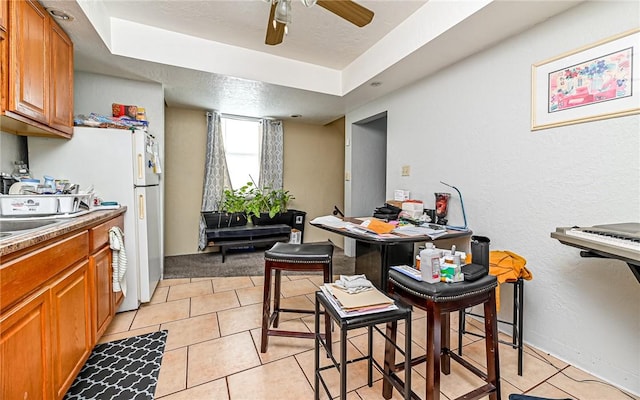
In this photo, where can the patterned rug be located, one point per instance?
(124, 369)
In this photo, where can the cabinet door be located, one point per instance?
(101, 277)
(71, 326)
(30, 60)
(4, 72)
(4, 13)
(25, 357)
(61, 87)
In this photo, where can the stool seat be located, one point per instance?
(438, 300)
(442, 291)
(291, 257)
(300, 253)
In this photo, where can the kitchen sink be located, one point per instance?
(19, 226)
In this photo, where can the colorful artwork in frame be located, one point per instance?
(592, 83)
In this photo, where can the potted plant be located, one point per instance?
(233, 209)
(268, 206)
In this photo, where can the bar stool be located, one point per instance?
(516, 322)
(438, 300)
(291, 257)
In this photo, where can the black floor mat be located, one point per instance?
(124, 369)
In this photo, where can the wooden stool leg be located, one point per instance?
(491, 344)
(445, 341)
(389, 358)
(434, 351)
(276, 298)
(266, 308)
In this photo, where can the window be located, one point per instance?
(242, 138)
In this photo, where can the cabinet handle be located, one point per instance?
(140, 166)
(141, 207)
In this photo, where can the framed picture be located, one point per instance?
(591, 83)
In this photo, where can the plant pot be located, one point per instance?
(220, 219)
(280, 218)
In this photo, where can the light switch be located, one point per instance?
(406, 170)
(347, 176)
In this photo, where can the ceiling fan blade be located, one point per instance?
(352, 12)
(274, 35)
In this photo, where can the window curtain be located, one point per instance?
(216, 173)
(272, 154)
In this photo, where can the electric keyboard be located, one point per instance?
(618, 241)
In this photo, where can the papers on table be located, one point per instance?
(412, 230)
(331, 221)
(371, 226)
(362, 303)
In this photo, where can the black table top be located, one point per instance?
(388, 239)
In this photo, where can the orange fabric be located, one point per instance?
(379, 227)
(507, 266)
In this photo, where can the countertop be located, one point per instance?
(33, 237)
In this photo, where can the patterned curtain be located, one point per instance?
(271, 158)
(216, 174)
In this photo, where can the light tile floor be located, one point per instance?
(212, 350)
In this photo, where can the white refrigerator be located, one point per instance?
(122, 166)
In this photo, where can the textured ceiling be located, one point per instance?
(210, 54)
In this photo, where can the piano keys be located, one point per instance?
(615, 241)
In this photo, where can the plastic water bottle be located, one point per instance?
(430, 263)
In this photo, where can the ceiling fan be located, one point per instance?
(280, 15)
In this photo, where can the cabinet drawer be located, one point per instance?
(99, 235)
(23, 275)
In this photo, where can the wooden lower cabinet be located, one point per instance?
(104, 300)
(71, 333)
(56, 301)
(25, 356)
(103, 307)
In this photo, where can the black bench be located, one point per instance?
(248, 235)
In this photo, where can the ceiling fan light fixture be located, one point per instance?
(283, 12)
(309, 3)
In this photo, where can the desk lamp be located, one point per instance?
(464, 215)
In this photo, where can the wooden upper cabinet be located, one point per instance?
(4, 72)
(30, 60)
(39, 88)
(4, 14)
(61, 87)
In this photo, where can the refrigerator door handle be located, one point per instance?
(141, 207)
(140, 166)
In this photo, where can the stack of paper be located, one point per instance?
(361, 303)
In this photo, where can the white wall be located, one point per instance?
(469, 126)
(12, 148)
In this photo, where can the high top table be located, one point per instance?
(375, 254)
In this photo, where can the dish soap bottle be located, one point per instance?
(430, 263)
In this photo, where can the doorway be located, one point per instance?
(368, 168)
